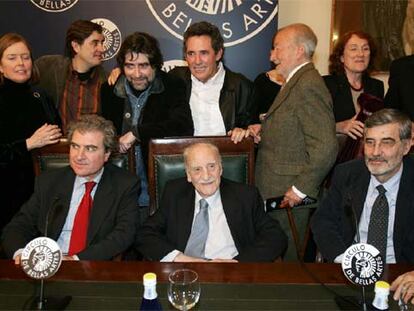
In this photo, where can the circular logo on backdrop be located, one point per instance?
(54, 5)
(112, 35)
(238, 20)
(41, 258)
(362, 264)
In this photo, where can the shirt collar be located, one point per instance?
(80, 181)
(210, 200)
(295, 70)
(391, 184)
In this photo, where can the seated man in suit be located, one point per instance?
(374, 197)
(209, 217)
(90, 206)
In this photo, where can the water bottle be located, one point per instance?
(150, 300)
(382, 290)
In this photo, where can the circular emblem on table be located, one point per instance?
(362, 264)
(238, 20)
(54, 6)
(41, 258)
(112, 35)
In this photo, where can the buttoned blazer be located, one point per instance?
(113, 218)
(256, 235)
(343, 105)
(335, 221)
(400, 94)
(298, 145)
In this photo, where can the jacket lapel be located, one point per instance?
(60, 204)
(287, 88)
(403, 208)
(232, 213)
(358, 192)
(102, 202)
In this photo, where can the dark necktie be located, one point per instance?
(197, 242)
(378, 223)
(81, 222)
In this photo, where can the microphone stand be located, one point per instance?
(50, 303)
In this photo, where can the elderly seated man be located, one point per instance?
(207, 217)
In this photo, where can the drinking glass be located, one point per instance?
(184, 289)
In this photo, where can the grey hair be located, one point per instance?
(94, 123)
(388, 116)
(304, 36)
(190, 148)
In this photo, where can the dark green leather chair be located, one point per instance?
(57, 155)
(166, 162)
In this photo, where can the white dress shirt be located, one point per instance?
(204, 104)
(220, 243)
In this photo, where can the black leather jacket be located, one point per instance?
(234, 96)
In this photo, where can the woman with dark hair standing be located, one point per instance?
(349, 66)
(353, 91)
(28, 120)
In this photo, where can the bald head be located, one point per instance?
(203, 167)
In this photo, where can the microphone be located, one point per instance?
(350, 207)
(362, 263)
(41, 259)
(345, 302)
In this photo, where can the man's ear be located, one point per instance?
(188, 176)
(406, 146)
(219, 55)
(107, 155)
(75, 46)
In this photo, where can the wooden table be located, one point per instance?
(250, 286)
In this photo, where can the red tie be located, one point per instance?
(80, 224)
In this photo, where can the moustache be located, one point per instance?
(207, 182)
(381, 159)
(142, 79)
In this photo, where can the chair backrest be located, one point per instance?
(57, 155)
(166, 161)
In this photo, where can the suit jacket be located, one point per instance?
(112, 223)
(343, 105)
(333, 224)
(257, 236)
(298, 145)
(401, 91)
(234, 98)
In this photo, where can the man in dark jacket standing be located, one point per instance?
(145, 102)
(219, 98)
